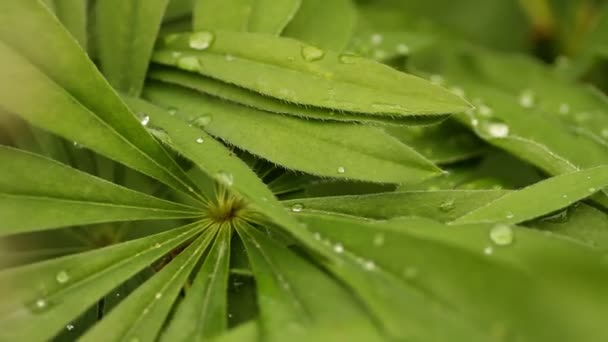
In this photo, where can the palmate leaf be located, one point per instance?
(249, 98)
(142, 314)
(519, 304)
(340, 150)
(30, 199)
(295, 72)
(126, 32)
(65, 287)
(71, 94)
(264, 16)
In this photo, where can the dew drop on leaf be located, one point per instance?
(376, 39)
(526, 99)
(201, 40)
(311, 53)
(564, 108)
(62, 277)
(199, 140)
(488, 250)
(225, 178)
(592, 190)
(69, 327)
(369, 265)
(447, 205)
(379, 239)
(296, 208)
(202, 121)
(403, 49)
(436, 79)
(484, 110)
(189, 63)
(144, 119)
(510, 215)
(457, 91)
(229, 58)
(496, 129)
(501, 235)
(158, 295)
(341, 170)
(338, 248)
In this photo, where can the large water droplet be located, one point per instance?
(376, 39)
(202, 121)
(526, 99)
(488, 250)
(369, 265)
(70, 327)
(189, 63)
(40, 304)
(158, 295)
(225, 178)
(447, 205)
(338, 248)
(501, 234)
(144, 119)
(311, 53)
(199, 140)
(201, 40)
(484, 110)
(496, 129)
(62, 277)
(341, 170)
(348, 59)
(403, 49)
(296, 208)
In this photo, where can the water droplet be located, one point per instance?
(317, 236)
(379, 239)
(341, 169)
(170, 38)
(62, 277)
(526, 99)
(144, 119)
(380, 54)
(311, 53)
(501, 235)
(457, 91)
(348, 59)
(70, 327)
(157, 245)
(410, 272)
(41, 304)
(484, 110)
(564, 108)
(158, 295)
(447, 205)
(225, 178)
(564, 196)
(592, 190)
(488, 250)
(199, 140)
(376, 39)
(510, 215)
(229, 58)
(160, 134)
(189, 63)
(496, 129)
(77, 145)
(436, 79)
(403, 49)
(172, 111)
(338, 248)
(201, 40)
(296, 208)
(369, 265)
(202, 121)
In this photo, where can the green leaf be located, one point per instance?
(452, 267)
(264, 16)
(73, 15)
(295, 72)
(68, 93)
(244, 332)
(142, 314)
(441, 205)
(333, 149)
(298, 301)
(126, 31)
(34, 189)
(217, 161)
(65, 287)
(202, 314)
(249, 98)
(327, 24)
(547, 196)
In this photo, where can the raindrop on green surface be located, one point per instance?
(201, 40)
(62, 277)
(311, 53)
(189, 63)
(501, 235)
(296, 208)
(447, 205)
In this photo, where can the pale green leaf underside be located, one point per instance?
(125, 36)
(68, 286)
(331, 149)
(284, 69)
(541, 198)
(250, 98)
